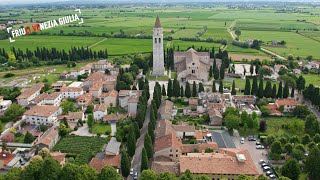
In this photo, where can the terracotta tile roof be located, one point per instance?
(157, 24)
(48, 136)
(199, 134)
(53, 95)
(71, 89)
(244, 98)
(44, 111)
(272, 106)
(287, 102)
(164, 128)
(166, 107)
(218, 163)
(112, 93)
(60, 157)
(183, 128)
(114, 117)
(96, 86)
(214, 113)
(56, 84)
(6, 157)
(215, 106)
(100, 107)
(133, 99)
(28, 92)
(98, 164)
(167, 141)
(75, 115)
(84, 97)
(188, 148)
(161, 167)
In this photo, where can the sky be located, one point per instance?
(12, 2)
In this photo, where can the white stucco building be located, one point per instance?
(71, 92)
(46, 115)
(29, 94)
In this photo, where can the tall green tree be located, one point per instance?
(276, 150)
(176, 88)
(210, 72)
(148, 145)
(164, 93)
(201, 88)
(301, 83)
(260, 90)
(181, 91)
(279, 94)
(291, 169)
(28, 138)
(292, 92)
(221, 87)
(32, 171)
(268, 90)
(50, 169)
(170, 88)
(286, 90)
(274, 91)
(188, 90)
(90, 121)
(222, 71)
(144, 160)
(125, 164)
(109, 172)
(233, 90)
(194, 89)
(131, 143)
(216, 73)
(254, 89)
(148, 175)
(312, 164)
(247, 88)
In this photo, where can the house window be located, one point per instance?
(193, 71)
(159, 40)
(155, 40)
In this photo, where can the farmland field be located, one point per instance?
(81, 146)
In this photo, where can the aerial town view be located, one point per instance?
(159, 90)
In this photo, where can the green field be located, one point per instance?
(82, 147)
(99, 128)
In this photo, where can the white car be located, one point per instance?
(242, 141)
(272, 176)
(262, 161)
(268, 173)
(131, 171)
(266, 168)
(135, 177)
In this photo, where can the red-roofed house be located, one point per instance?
(29, 94)
(288, 104)
(99, 111)
(110, 98)
(48, 139)
(98, 164)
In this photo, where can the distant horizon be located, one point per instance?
(34, 2)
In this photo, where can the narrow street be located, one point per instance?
(136, 161)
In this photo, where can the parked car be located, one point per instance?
(131, 171)
(262, 161)
(242, 141)
(264, 164)
(272, 176)
(268, 173)
(266, 168)
(135, 177)
(258, 143)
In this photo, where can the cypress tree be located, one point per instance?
(268, 90)
(274, 91)
(292, 91)
(210, 72)
(260, 90)
(194, 89)
(216, 73)
(214, 86)
(254, 89)
(221, 87)
(125, 164)
(279, 95)
(188, 90)
(201, 88)
(131, 143)
(144, 160)
(163, 90)
(176, 88)
(181, 91)
(222, 71)
(286, 90)
(247, 87)
(233, 91)
(169, 88)
(148, 145)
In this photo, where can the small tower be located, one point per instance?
(158, 57)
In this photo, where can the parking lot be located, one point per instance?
(256, 154)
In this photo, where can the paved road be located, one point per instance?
(113, 128)
(136, 162)
(256, 154)
(83, 131)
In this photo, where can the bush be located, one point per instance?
(8, 75)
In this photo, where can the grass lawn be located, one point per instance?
(284, 125)
(82, 148)
(159, 78)
(312, 79)
(101, 128)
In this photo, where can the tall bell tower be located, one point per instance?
(158, 57)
